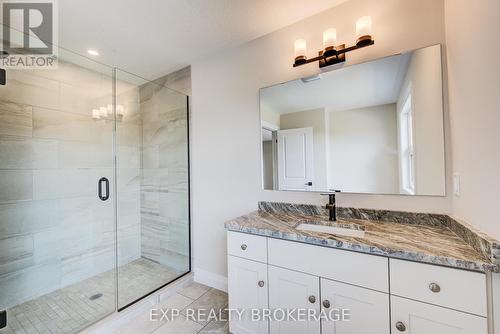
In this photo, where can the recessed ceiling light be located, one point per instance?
(92, 52)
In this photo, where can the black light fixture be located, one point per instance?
(332, 53)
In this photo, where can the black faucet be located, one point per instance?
(331, 207)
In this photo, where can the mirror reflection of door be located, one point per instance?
(296, 159)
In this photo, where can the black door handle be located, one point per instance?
(99, 188)
(3, 319)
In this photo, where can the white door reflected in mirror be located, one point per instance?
(295, 159)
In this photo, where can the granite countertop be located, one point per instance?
(423, 238)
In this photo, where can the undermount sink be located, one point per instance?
(335, 228)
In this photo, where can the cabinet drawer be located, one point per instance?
(354, 268)
(248, 246)
(453, 288)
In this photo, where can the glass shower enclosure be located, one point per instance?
(94, 193)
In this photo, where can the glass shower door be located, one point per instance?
(94, 193)
(57, 228)
(152, 186)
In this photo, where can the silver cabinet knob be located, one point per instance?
(326, 303)
(312, 299)
(243, 247)
(400, 326)
(434, 287)
(261, 283)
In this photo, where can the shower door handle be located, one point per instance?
(3, 319)
(100, 186)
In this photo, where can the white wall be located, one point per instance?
(226, 176)
(316, 119)
(267, 164)
(363, 150)
(474, 93)
(270, 116)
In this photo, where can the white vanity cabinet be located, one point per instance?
(409, 316)
(368, 309)
(381, 295)
(290, 290)
(247, 286)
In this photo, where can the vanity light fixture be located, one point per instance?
(332, 52)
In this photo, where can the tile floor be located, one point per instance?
(194, 297)
(70, 309)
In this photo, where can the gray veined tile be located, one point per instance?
(174, 205)
(85, 94)
(151, 157)
(16, 119)
(54, 124)
(15, 185)
(28, 217)
(128, 134)
(139, 324)
(216, 327)
(179, 325)
(129, 157)
(80, 154)
(129, 180)
(212, 301)
(176, 301)
(179, 81)
(52, 184)
(194, 290)
(47, 245)
(16, 252)
(29, 283)
(27, 153)
(26, 88)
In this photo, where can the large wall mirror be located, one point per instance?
(375, 127)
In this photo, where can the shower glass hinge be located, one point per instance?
(3, 319)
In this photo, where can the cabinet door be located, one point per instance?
(414, 317)
(290, 290)
(368, 309)
(247, 289)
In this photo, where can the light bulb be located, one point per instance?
(329, 37)
(300, 51)
(103, 112)
(120, 110)
(96, 114)
(300, 47)
(364, 30)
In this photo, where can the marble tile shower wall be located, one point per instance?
(164, 194)
(54, 231)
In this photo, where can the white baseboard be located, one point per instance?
(210, 279)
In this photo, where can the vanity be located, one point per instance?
(408, 272)
(370, 128)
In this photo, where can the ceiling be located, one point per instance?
(155, 37)
(369, 84)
